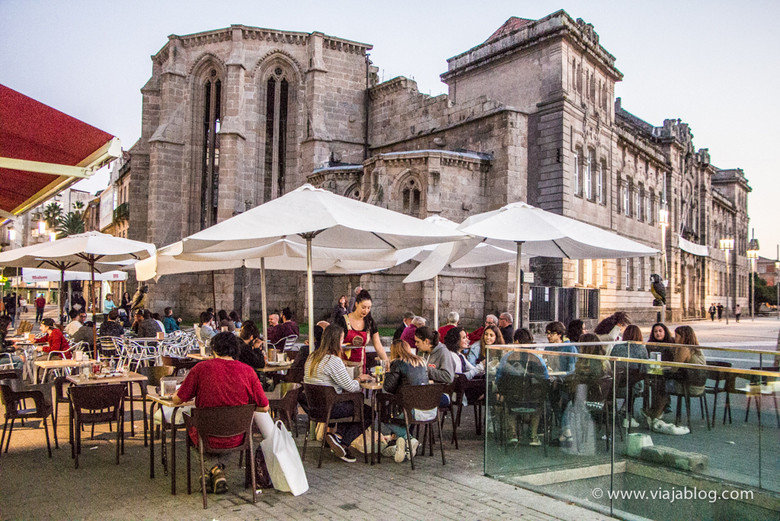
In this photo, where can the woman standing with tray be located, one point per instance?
(360, 328)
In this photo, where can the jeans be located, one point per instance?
(38, 314)
(349, 431)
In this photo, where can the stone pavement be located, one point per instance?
(34, 487)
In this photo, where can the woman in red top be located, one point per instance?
(53, 338)
(360, 329)
(222, 381)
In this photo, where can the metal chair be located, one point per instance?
(220, 422)
(321, 399)
(417, 398)
(286, 407)
(13, 397)
(719, 386)
(93, 404)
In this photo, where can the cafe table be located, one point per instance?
(160, 402)
(274, 367)
(129, 378)
(373, 388)
(198, 356)
(60, 363)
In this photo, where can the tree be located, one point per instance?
(764, 292)
(52, 213)
(70, 224)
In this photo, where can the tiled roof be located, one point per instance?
(511, 25)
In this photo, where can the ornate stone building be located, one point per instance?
(237, 116)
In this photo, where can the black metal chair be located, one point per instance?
(13, 397)
(415, 399)
(718, 386)
(93, 404)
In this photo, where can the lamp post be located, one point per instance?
(727, 245)
(752, 255)
(663, 222)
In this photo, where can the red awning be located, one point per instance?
(43, 151)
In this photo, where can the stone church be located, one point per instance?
(237, 116)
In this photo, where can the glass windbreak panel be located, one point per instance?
(635, 433)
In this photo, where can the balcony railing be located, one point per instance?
(122, 213)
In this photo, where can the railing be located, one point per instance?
(563, 304)
(122, 212)
(580, 434)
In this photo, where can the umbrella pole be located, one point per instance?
(519, 288)
(310, 291)
(263, 302)
(214, 290)
(62, 294)
(436, 302)
(92, 298)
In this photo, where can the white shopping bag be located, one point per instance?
(283, 462)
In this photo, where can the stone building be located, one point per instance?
(237, 116)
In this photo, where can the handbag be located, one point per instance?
(283, 461)
(262, 476)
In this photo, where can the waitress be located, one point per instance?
(360, 329)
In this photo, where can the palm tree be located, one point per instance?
(70, 224)
(52, 214)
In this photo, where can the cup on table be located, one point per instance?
(96, 368)
(160, 335)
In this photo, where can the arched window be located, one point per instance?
(276, 111)
(353, 192)
(411, 197)
(212, 114)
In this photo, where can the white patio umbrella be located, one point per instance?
(316, 217)
(284, 255)
(90, 251)
(483, 254)
(534, 232)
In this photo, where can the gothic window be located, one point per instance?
(411, 197)
(576, 179)
(353, 192)
(276, 111)
(212, 113)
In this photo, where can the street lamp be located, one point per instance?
(727, 245)
(663, 222)
(752, 255)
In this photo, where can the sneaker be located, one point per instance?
(348, 457)
(535, 442)
(400, 450)
(388, 451)
(414, 444)
(335, 446)
(218, 480)
(630, 421)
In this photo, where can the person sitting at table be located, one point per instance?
(303, 353)
(628, 349)
(575, 330)
(76, 321)
(156, 317)
(111, 326)
(170, 324)
(514, 368)
(360, 329)
(555, 332)
(408, 333)
(505, 325)
(612, 327)
(452, 320)
(457, 341)
(405, 322)
(108, 304)
(406, 368)
(224, 321)
(85, 334)
(441, 368)
(147, 327)
(490, 320)
(207, 326)
(251, 350)
(677, 379)
(274, 328)
(288, 327)
(660, 334)
(7, 349)
(325, 367)
(218, 382)
(233, 316)
(491, 335)
(53, 339)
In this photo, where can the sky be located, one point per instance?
(711, 63)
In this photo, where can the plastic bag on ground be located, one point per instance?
(283, 461)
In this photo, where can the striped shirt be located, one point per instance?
(331, 371)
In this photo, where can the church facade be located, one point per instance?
(235, 117)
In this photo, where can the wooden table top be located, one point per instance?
(371, 385)
(61, 363)
(167, 401)
(198, 356)
(273, 368)
(130, 376)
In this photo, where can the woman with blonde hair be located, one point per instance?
(406, 368)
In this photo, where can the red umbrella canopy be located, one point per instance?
(32, 131)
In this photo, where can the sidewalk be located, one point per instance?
(34, 487)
